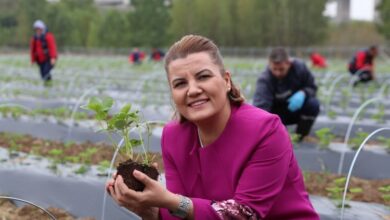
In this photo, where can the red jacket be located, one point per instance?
(361, 60)
(318, 60)
(37, 48)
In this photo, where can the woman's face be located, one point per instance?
(198, 87)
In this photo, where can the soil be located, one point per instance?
(316, 183)
(9, 211)
(71, 151)
(126, 169)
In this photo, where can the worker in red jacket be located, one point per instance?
(362, 65)
(317, 60)
(157, 55)
(43, 50)
(136, 56)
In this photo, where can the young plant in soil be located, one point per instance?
(325, 136)
(13, 149)
(386, 142)
(332, 114)
(103, 167)
(346, 96)
(358, 139)
(379, 116)
(335, 191)
(123, 122)
(386, 192)
(294, 137)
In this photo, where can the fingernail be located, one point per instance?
(137, 173)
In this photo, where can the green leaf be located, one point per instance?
(135, 142)
(55, 152)
(356, 190)
(94, 104)
(386, 197)
(384, 189)
(107, 103)
(340, 181)
(120, 124)
(101, 115)
(125, 109)
(334, 189)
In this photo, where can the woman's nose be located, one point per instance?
(193, 89)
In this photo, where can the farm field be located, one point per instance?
(47, 136)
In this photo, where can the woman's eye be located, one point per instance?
(203, 77)
(178, 84)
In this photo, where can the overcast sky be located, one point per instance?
(360, 9)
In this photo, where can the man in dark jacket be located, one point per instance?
(362, 65)
(287, 88)
(43, 50)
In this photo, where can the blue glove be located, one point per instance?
(296, 101)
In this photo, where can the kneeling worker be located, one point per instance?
(287, 88)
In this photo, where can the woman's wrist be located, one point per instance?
(151, 214)
(178, 205)
(184, 208)
(172, 201)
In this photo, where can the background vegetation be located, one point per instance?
(155, 23)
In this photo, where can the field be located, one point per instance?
(47, 138)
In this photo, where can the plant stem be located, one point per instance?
(145, 159)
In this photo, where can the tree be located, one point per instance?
(26, 14)
(252, 22)
(71, 21)
(149, 22)
(384, 14)
(114, 30)
(8, 21)
(183, 18)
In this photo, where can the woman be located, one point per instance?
(223, 159)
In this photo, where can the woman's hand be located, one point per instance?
(143, 203)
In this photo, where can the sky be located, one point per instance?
(360, 9)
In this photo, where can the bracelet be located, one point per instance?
(183, 209)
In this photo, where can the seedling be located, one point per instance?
(123, 122)
(358, 139)
(379, 116)
(346, 96)
(82, 169)
(372, 88)
(103, 166)
(294, 138)
(362, 93)
(386, 142)
(86, 155)
(332, 114)
(386, 192)
(335, 192)
(72, 159)
(57, 155)
(325, 137)
(13, 149)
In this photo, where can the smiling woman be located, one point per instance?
(224, 159)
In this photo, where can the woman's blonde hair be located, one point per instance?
(190, 44)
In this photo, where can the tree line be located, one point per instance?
(157, 23)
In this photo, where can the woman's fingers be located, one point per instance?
(109, 183)
(122, 188)
(111, 191)
(143, 178)
(114, 175)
